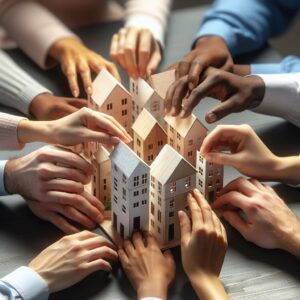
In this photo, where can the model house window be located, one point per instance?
(190, 153)
(136, 180)
(152, 194)
(115, 221)
(200, 158)
(133, 87)
(210, 185)
(115, 184)
(218, 181)
(150, 157)
(137, 223)
(172, 203)
(190, 142)
(211, 164)
(218, 172)
(115, 199)
(124, 101)
(94, 192)
(124, 209)
(122, 230)
(138, 142)
(116, 168)
(152, 208)
(124, 194)
(199, 141)
(178, 136)
(138, 154)
(135, 193)
(211, 196)
(160, 143)
(150, 146)
(104, 184)
(124, 112)
(124, 178)
(187, 182)
(154, 106)
(210, 174)
(200, 170)
(137, 109)
(173, 187)
(94, 178)
(109, 106)
(159, 201)
(171, 129)
(171, 142)
(133, 105)
(159, 216)
(136, 204)
(200, 182)
(171, 214)
(159, 187)
(152, 182)
(152, 223)
(144, 178)
(144, 202)
(144, 191)
(178, 148)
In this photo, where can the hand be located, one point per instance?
(73, 258)
(136, 50)
(54, 175)
(236, 94)
(209, 51)
(269, 222)
(148, 269)
(203, 247)
(48, 107)
(82, 126)
(74, 57)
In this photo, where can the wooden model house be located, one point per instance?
(171, 178)
(129, 191)
(148, 137)
(209, 178)
(185, 136)
(101, 181)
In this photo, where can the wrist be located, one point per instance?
(258, 89)
(152, 289)
(10, 181)
(287, 169)
(38, 103)
(211, 39)
(290, 239)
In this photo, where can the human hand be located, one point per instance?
(73, 258)
(269, 222)
(48, 107)
(74, 57)
(203, 247)
(236, 94)
(54, 175)
(84, 125)
(148, 269)
(136, 50)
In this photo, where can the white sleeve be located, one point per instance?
(282, 97)
(24, 283)
(150, 14)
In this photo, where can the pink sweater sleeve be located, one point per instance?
(151, 14)
(8, 132)
(33, 27)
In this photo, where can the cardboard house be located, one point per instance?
(185, 136)
(171, 178)
(129, 191)
(209, 179)
(101, 181)
(110, 97)
(148, 137)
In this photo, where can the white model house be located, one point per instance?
(209, 178)
(171, 178)
(129, 191)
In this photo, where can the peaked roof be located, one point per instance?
(170, 166)
(182, 126)
(144, 123)
(161, 82)
(145, 91)
(102, 155)
(125, 159)
(103, 85)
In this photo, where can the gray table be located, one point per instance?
(248, 272)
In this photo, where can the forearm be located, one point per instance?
(287, 170)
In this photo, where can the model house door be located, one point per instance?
(171, 232)
(115, 221)
(122, 230)
(137, 223)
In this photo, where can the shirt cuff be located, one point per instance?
(266, 69)
(151, 23)
(151, 298)
(28, 284)
(3, 192)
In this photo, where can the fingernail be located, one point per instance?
(211, 117)
(173, 111)
(191, 86)
(89, 90)
(182, 114)
(75, 93)
(189, 195)
(115, 140)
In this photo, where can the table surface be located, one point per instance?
(249, 272)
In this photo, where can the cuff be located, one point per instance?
(151, 298)
(3, 192)
(28, 284)
(266, 69)
(151, 23)
(221, 29)
(9, 132)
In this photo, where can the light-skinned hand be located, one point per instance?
(55, 175)
(73, 258)
(269, 222)
(136, 51)
(84, 125)
(148, 269)
(75, 58)
(203, 247)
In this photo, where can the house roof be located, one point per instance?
(145, 91)
(102, 155)
(170, 166)
(144, 123)
(182, 126)
(125, 159)
(161, 82)
(103, 85)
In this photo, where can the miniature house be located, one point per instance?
(148, 137)
(101, 181)
(171, 178)
(209, 178)
(185, 136)
(129, 191)
(110, 97)
(143, 96)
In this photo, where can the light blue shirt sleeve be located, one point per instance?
(245, 25)
(290, 64)
(2, 186)
(25, 284)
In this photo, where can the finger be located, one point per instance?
(204, 206)
(96, 265)
(144, 51)
(185, 227)
(222, 158)
(64, 185)
(241, 185)
(138, 241)
(114, 47)
(169, 97)
(178, 96)
(184, 66)
(154, 60)
(195, 72)
(94, 201)
(119, 126)
(128, 247)
(123, 257)
(69, 69)
(112, 69)
(85, 74)
(130, 53)
(85, 234)
(100, 137)
(150, 240)
(97, 242)
(257, 184)
(169, 257)
(196, 213)
(217, 224)
(234, 219)
(121, 48)
(102, 253)
(232, 198)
